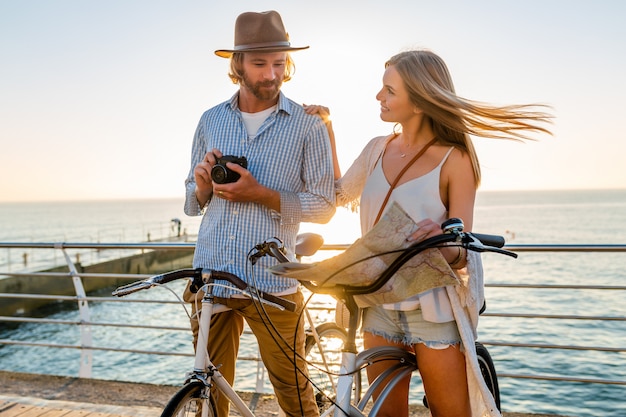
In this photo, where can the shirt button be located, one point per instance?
(232, 237)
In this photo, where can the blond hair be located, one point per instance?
(453, 118)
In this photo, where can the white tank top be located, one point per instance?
(419, 197)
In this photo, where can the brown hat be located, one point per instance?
(259, 32)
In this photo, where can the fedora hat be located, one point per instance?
(259, 32)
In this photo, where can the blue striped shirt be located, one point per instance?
(290, 154)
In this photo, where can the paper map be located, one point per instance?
(369, 256)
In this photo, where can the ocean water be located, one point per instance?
(112, 221)
(545, 217)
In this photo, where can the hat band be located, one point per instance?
(262, 45)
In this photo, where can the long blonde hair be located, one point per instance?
(453, 118)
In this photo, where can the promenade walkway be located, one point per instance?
(30, 395)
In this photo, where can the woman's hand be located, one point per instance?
(425, 229)
(454, 255)
(322, 111)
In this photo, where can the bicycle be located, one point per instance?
(353, 362)
(194, 398)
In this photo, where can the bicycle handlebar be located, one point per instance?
(201, 277)
(490, 240)
(453, 233)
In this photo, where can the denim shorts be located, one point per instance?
(409, 328)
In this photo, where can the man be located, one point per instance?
(288, 180)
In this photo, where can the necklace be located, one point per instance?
(403, 154)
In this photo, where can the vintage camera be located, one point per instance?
(222, 175)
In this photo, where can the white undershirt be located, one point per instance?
(253, 121)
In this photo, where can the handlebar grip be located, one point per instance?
(131, 288)
(489, 240)
(155, 280)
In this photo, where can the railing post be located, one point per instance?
(260, 376)
(86, 354)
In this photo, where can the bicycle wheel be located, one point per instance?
(189, 402)
(488, 370)
(325, 360)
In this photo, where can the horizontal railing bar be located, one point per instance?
(89, 323)
(99, 348)
(76, 298)
(567, 248)
(185, 329)
(87, 245)
(110, 349)
(544, 346)
(81, 274)
(563, 378)
(146, 301)
(555, 316)
(584, 247)
(139, 277)
(558, 286)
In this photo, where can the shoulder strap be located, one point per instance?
(395, 182)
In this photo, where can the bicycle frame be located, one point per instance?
(204, 370)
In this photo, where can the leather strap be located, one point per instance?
(395, 182)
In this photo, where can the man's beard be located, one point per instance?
(260, 90)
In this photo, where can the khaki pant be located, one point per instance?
(294, 393)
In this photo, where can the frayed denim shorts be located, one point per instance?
(409, 328)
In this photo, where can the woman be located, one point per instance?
(439, 325)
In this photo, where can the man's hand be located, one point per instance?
(247, 189)
(202, 175)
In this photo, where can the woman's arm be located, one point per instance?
(324, 113)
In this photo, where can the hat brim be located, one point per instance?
(227, 53)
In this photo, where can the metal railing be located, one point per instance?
(87, 347)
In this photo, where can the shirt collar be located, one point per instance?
(283, 103)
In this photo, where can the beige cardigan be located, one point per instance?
(466, 299)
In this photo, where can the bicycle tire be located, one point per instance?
(189, 400)
(488, 369)
(332, 337)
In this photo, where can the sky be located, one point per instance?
(100, 99)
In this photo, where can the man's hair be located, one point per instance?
(236, 68)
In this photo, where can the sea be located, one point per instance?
(585, 217)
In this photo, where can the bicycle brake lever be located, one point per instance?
(472, 242)
(265, 248)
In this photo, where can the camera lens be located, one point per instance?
(219, 174)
